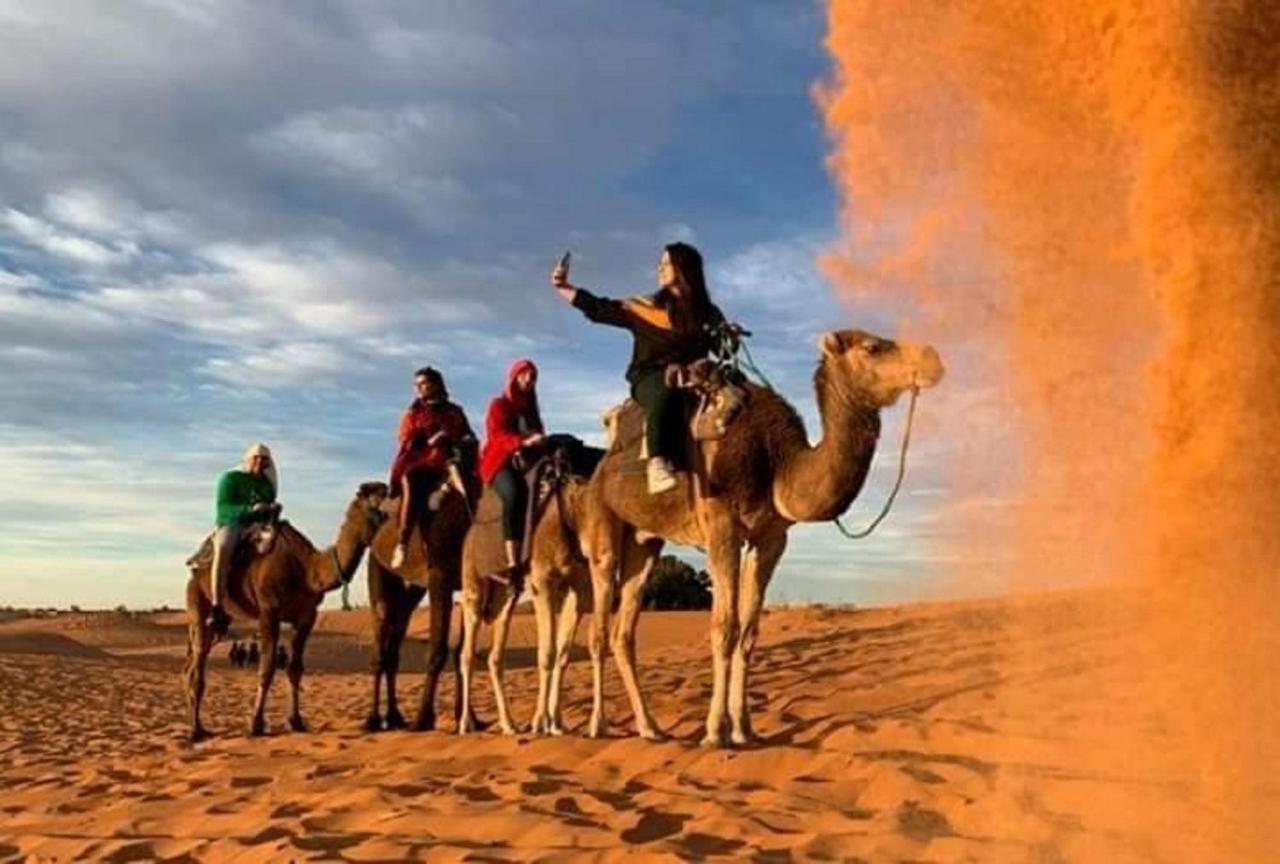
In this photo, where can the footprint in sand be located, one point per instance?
(477, 793)
(270, 834)
(655, 826)
(288, 811)
(541, 787)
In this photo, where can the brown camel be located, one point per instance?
(560, 583)
(433, 572)
(750, 487)
(286, 583)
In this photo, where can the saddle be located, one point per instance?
(563, 456)
(258, 540)
(719, 397)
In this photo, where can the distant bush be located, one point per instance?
(675, 585)
(75, 608)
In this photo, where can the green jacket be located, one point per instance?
(238, 491)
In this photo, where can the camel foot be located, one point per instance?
(199, 734)
(425, 723)
(258, 727)
(507, 728)
(716, 741)
(373, 723)
(745, 738)
(653, 733)
(595, 728)
(395, 720)
(297, 724)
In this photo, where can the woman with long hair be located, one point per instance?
(431, 428)
(670, 326)
(513, 426)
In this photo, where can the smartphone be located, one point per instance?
(564, 261)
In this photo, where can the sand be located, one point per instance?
(889, 737)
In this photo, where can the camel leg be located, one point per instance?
(269, 636)
(471, 608)
(380, 608)
(637, 563)
(758, 567)
(440, 598)
(407, 599)
(497, 648)
(301, 631)
(723, 560)
(545, 597)
(199, 643)
(566, 628)
(603, 567)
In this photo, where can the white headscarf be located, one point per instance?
(260, 449)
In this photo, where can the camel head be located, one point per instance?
(867, 369)
(365, 511)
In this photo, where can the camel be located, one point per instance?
(748, 487)
(560, 583)
(283, 584)
(394, 594)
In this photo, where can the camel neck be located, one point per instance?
(818, 483)
(336, 564)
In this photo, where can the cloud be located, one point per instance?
(284, 365)
(224, 221)
(46, 237)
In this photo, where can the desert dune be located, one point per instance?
(890, 736)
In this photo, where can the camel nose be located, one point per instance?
(931, 370)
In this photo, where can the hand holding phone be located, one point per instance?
(560, 273)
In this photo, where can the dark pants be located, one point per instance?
(514, 492)
(415, 488)
(661, 407)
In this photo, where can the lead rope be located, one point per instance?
(902, 471)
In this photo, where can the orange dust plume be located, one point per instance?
(1083, 197)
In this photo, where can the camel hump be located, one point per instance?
(623, 426)
(257, 540)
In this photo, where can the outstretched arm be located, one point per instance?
(601, 310)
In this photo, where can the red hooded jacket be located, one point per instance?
(502, 424)
(425, 435)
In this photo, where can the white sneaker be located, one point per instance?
(658, 472)
(397, 557)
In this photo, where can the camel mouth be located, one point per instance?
(929, 372)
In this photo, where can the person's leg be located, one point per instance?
(225, 539)
(510, 486)
(658, 402)
(408, 516)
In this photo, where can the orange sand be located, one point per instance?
(887, 739)
(1084, 194)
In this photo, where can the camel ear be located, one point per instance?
(831, 344)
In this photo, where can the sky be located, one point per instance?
(224, 222)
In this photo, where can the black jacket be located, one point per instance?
(658, 341)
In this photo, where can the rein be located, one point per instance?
(897, 484)
(342, 577)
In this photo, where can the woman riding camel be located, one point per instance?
(244, 495)
(671, 326)
(430, 430)
(512, 426)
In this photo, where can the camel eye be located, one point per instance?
(875, 346)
